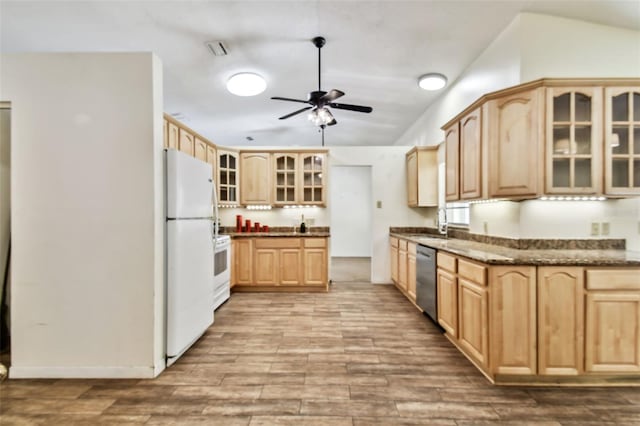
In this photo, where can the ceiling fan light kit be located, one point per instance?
(432, 81)
(246, 84)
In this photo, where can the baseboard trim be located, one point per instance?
(16, 372)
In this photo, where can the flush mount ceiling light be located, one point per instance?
(246, 84)
(432, 81)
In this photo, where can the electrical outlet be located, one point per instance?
(310, 221)
(595, 229)
(485, 227)
(604, 227)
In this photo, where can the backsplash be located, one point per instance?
(523, 243)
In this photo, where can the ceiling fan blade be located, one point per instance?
(295, 112)
(278, 98)
(358, 108)
(330, 96)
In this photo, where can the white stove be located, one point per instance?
(222, 271)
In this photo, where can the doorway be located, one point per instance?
(5, 226)
(350, 205)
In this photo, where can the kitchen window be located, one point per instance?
(458, 214)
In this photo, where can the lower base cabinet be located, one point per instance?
(474, 321)
(264, 263)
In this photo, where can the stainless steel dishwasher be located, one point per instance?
(426, 293)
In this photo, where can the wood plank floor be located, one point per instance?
(359, 355)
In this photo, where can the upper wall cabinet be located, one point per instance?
(228, 177)
(573, 140)
(622, 140)
(515, 131)
(299, 178)
(422, 176)
(255, 170)
(463, 143)
(549, 136)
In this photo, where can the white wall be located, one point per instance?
(87, 214)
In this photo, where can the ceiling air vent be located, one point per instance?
(217, 48)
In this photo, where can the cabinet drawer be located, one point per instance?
(446, 261)
(402, 245)
(472, 271)
(277, 243)
(394, 241)
(613, 279)
(315, 242)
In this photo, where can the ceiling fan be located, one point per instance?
(320, 100)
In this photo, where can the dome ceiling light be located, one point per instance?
(246, 84)
(432, 81)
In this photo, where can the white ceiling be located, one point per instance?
(375, 52)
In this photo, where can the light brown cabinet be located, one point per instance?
(186, 142)
(411, 271)
(549, 136)
(255, 172)
(200, 149)
(212, 159)
(515, 150)
(573, 140)
(422, 176)
(560, 320)
(393, 250)
(402, 265)
(172, 135)
(463, 143)
(228, 177)
(622, 141)
(447, 293)
(281, 263)
(242, 253)
(299, 178)
(513, 320)
(473, 328)
(612, 333)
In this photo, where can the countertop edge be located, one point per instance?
(278, 235)
(497, 255)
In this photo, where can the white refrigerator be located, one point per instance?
(191, 211)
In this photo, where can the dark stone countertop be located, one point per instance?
(498, 255)
(278, 234)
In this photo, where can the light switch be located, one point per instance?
(604, 227)
(379, 204)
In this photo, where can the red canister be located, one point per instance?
(256, 227)
(247, 225)
(265, 228)
(238, 223)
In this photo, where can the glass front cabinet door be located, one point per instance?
(313, 178)
(574, 140)
(622, 141)
(285, 173)
(228, 176)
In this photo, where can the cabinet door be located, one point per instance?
(242, 261)
(411, 276)
(412, 179)
(402, 267)
(312, 179)
(285, 167)
(513, 319)
(452, 142)
(473, 329)
(187, 142)
(394, 261)
(448, 302)
(212, 158)
(266, 264)
(515, 131)
(622, 141)
(574, 140)
(470, 156)
(612, 331)
(200, 149)
(315, 266)
(172, 135)
(165, 133)
(560, 320)
(255, 169)
(290, 266)
(228, 177)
